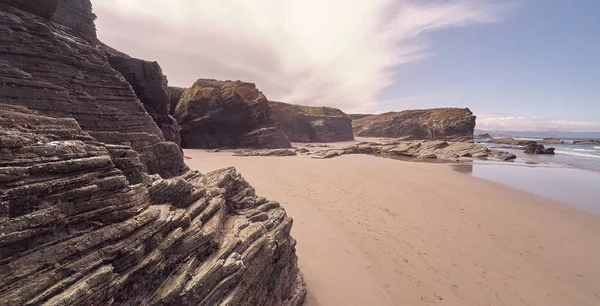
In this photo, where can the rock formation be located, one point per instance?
(550, 141)
(175, 94)
(411, 150)
(312, 124)
(76, 230)
(431, 124)
(586, 142)
(150, 86)
(215, 114)
(535, 148)
(56, 70)
(511, 141)
(483, 136)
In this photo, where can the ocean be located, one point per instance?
(567, 154)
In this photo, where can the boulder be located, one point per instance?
(56, 71)
(483, 136)
(76, 230)
(429, 124)
(150, 85)
(535, 148)
(235, 114)
(312, 124)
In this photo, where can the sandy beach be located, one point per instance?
(376, 231)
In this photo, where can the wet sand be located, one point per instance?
(376, 231)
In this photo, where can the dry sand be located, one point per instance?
(375, 231)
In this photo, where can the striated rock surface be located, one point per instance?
(77, 230)
(215, 114)
(429, 124)
(150, 85)
(76, 15)
(414, 150)
(55, 70)
(312, 124)
(535, 148)
(266, 152)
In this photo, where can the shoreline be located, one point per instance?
(383, 232)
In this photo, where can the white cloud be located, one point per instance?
(518, 123)
(321, 52)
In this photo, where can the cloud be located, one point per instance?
(336, 52)
(518, 123)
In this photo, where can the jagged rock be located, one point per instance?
(431, 124)
(535, 148)
(77, 15)
(227, 114)
(150, 86)
(586, 142)
(50, 68)
(267, 152)
(75, 231)
(312, 124)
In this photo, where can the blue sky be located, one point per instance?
(518, 64)
(542, 60)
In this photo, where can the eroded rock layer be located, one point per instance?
(76, 230)
(428, 124)
(151, 87)
(312, 124)
(55, 70)
(215, 114)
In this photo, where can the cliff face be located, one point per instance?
(57, 71)
(150, 85)
(215, 114)
(312, 124)
(76, 230)
(175, 94)
(432, 124)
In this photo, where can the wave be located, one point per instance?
(577, 154)
(580, 150)
(598, 147)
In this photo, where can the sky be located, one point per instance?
(517, 64)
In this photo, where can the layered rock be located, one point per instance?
(414, 150)
(76, 15)
(150, 85)
(551, 141)
(55, 70)
(75, 230)
(312, 124)
(215, 114)
(429, 124)
(535, 148)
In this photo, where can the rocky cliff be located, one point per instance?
(77, 230)
(312, 124)
(175, 94)
(215, 114)
(58, 71)
(151, 87)
(432, 124)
